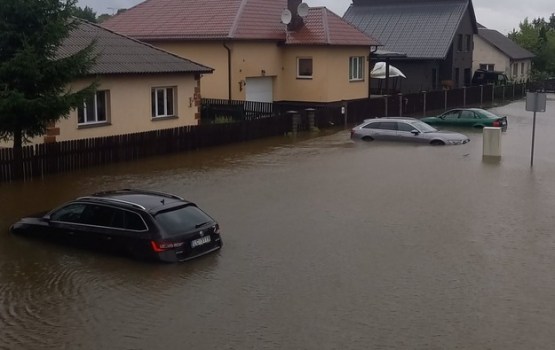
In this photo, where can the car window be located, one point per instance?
(69, 213)
(450, 115)
(468, 115)
(423, 127)
(405, 127)
(388, 126)
(98, 215)
(374, 125)
(127, 220)
(182, 219)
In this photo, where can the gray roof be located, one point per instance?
(423, 29)
(119, 54)
(504, 44)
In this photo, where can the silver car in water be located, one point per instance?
(407, 130)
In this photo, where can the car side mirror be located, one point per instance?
(46, 218)
(415, 132)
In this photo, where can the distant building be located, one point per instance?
(435, 35)
(496, 52)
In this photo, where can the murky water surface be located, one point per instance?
(329, 244)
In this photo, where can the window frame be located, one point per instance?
(356, 68)
(305, 76)
(155, 108)
(83, 110)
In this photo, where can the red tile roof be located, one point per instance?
(323, 27)
(232, 19)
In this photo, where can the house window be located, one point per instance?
(488, 67)
(304, 68)
(469, 43)
(515, 69)
(460, 42)
(95, 109)
(522, 69)
(163, 101)
(356, 68)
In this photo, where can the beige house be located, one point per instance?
(140, 88)
(261, 50)
(494, 51)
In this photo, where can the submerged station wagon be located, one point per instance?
(145, 224)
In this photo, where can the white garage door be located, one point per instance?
(260, 89)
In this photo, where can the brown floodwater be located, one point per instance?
(328, 244)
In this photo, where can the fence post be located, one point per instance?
(296, 118)
(424, 109)
(503, 97)
(311, 112)
(481, 95)
(492, 94)
(445, 98)
(464, 96)
(400, 104)
(386, 105)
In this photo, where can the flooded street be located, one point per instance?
(328, 244)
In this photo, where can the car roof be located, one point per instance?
(151, 201)
(393, 119)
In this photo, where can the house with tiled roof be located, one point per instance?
(435, 36)
(261, 50)
(140, 87)
(494, 51)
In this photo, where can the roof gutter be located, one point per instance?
(228, 70)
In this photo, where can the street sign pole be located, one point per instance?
(534, 130)
(535, 102)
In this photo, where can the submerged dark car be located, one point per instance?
(145, 224)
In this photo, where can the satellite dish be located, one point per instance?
(302, 9)
(286, 16)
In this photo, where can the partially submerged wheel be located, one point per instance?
(437, 143)
(367, 138)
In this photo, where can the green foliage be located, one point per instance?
(85, 13)
(34, 76)
(538, 37)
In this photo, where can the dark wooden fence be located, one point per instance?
(431, 102)
(225, 121)
(43, 159)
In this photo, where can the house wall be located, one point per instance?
(462, 58)
(330, 78)
(130, 106)
(249, 59)
(485, 53)
(419, 76)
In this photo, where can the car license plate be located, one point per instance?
(200, 241)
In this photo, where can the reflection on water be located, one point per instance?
(329, 244)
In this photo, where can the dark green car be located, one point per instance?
(473, 117)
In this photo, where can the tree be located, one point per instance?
(538, 37)
(85, 13)
(34, 76)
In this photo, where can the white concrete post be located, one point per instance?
(492, 143)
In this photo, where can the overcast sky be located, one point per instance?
(502, 15)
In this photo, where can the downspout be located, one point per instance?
(373, 50)
(228, 70)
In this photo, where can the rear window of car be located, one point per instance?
(182, 219)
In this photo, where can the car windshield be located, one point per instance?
(182, 219)
(423, 127)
